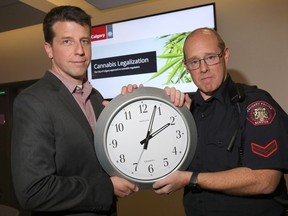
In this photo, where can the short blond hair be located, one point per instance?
(221, 43)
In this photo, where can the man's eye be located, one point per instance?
(211, 57)
(67, 42)
(86, 41)
(194, 62)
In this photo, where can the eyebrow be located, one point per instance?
(206, 54)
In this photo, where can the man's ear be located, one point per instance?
(226, 55)
(48, 49)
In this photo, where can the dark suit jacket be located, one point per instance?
(54, 166)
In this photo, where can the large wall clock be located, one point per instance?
(143, 137)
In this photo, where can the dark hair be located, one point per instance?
(64, 13)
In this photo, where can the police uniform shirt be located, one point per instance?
(262, 138)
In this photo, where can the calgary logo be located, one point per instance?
(101, 32)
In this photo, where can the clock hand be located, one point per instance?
(155, 133)
(139, 159)
(150, 127)
(146, 140)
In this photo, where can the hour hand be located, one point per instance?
(155, 133)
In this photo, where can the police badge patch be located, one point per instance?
(260, 113)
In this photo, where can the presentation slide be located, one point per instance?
(145, 50)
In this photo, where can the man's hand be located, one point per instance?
(105, 102)
(129, 88)
(178, 98)
(173, 182)
(122, 187)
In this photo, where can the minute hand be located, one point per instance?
(155, 133)
(150, 128)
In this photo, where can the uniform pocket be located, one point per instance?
(216, 156)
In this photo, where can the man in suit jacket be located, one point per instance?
(54, 167)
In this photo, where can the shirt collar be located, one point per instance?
(86, 85)
(220, 94)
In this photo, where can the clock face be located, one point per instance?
(143, 137)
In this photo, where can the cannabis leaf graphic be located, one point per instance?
(173, 53)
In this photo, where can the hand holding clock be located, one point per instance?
(172, 183)
(122, 187)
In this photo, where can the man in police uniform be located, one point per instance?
(241, 155)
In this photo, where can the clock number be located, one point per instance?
(178, 134)
(165, 161)
(143, 108)
(128, 115)
(159, 111)
(119, 127)
(135, 165)
(174, 151)
(150, 168)
(114, 143)
(172, 118)
(122, 158)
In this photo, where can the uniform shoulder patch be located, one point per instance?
(260, 113)
(265, 151)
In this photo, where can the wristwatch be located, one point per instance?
(193, 184)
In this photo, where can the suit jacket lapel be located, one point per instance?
(96, 101)
(71, 104)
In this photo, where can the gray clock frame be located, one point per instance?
(116, 105)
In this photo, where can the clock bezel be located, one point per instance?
(117, 104)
